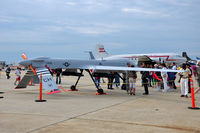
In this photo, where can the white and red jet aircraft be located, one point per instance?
(168, 58)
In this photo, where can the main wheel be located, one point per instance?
(73, 88)
(100, 91)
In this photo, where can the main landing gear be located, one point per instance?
(99, 90)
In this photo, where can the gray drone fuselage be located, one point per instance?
(72, 63)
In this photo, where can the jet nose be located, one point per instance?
(25, 63)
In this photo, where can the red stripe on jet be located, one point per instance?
(167, 57)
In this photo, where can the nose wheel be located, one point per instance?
(73, 87)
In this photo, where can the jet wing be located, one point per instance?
(47, 80)
(113, 68)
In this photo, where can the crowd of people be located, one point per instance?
(162, 81)
(166, 80)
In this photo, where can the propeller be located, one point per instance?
(25, 58)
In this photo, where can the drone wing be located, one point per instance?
(113, 68)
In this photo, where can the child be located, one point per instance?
(18, 76)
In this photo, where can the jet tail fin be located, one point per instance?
(91, 55)
(184, 54)
(100, 52)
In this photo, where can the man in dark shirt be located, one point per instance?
(8, 72)
(145, 77)
(58, 75)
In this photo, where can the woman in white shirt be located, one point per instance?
(164, 77)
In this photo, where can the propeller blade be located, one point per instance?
(24, 56)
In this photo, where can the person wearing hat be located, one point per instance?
(184, 80)
(197, 71)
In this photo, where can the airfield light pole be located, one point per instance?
(40, 96)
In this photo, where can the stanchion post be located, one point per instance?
(192, 95)
(40, 95)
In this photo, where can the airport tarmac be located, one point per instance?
(83, 111)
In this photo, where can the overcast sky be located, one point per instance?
(67, 28)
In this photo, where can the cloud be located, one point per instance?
(140, 11)
(55, 31)
(176, 2)
(96, 28)
(4, 19)
(24, 36)
(10, 19)
(70, 3)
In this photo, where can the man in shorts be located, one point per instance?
(132, 81)
(18, 76)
